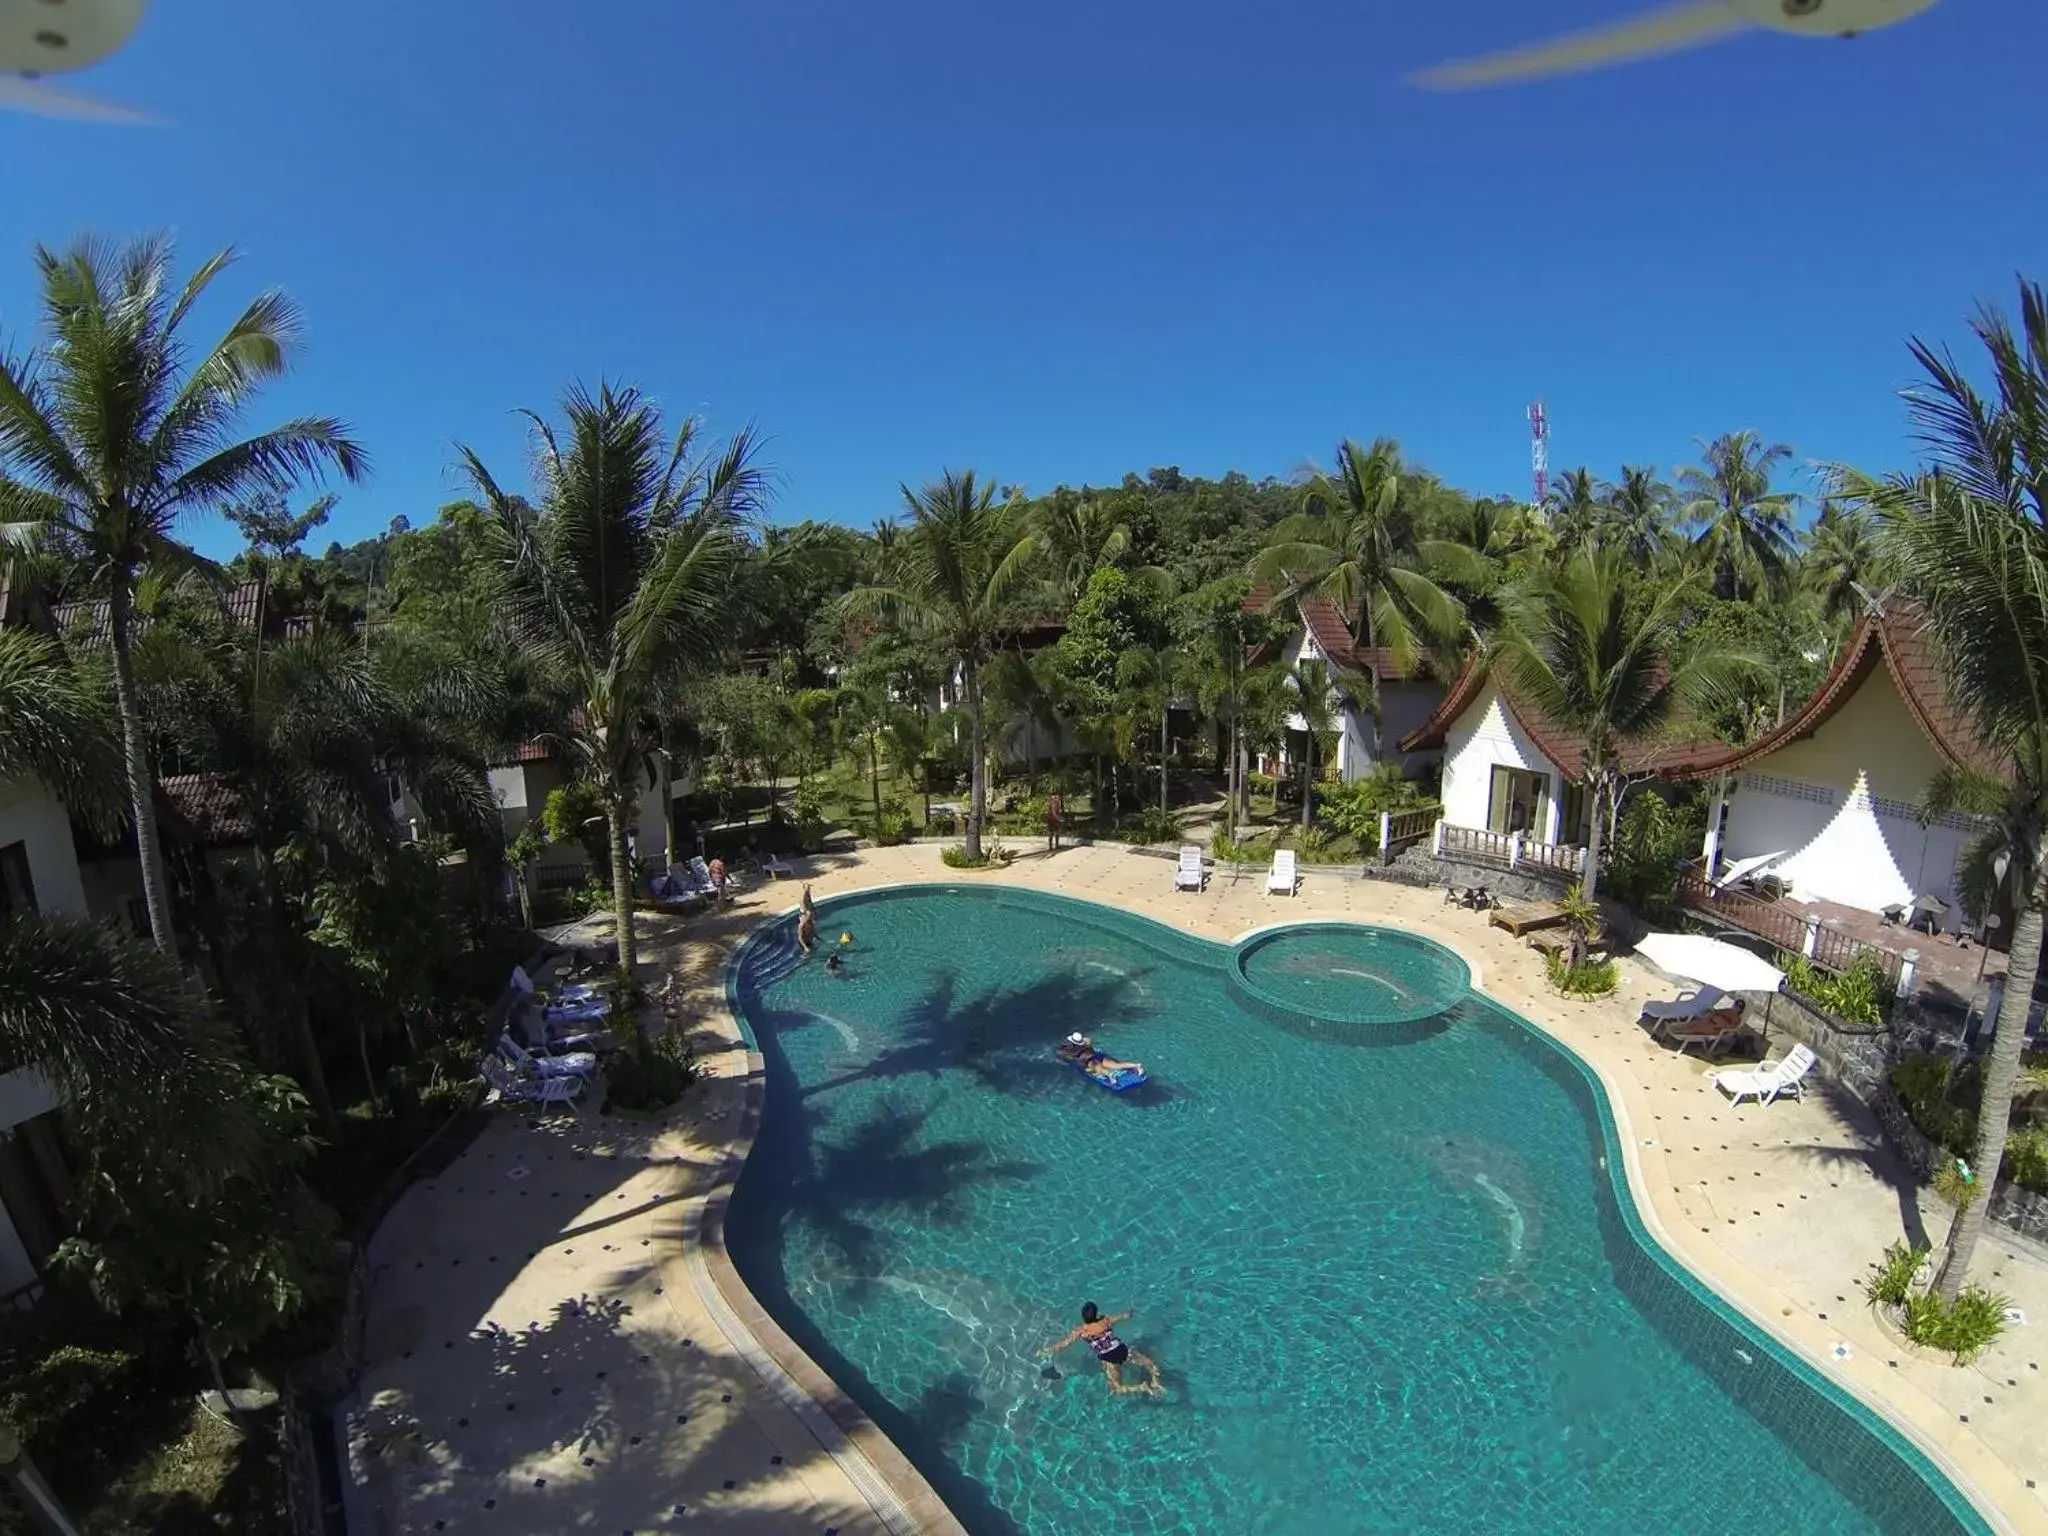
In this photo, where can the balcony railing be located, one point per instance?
(1792, 931)
(1509, 850)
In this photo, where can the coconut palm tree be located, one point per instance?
(1970, 541)
(1355, 542)
(1742, 528)
(952, 578)
(1313, 691)
(1840, 565)
(1076, 534)
(1638, 513)
(1610, 664)
(55, 727)
(1148, 681)
(1575, 508)
(111, 435)
(624, 578)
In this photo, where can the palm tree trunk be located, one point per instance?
(1308, 779)
(622, 889)
(522, 885)
(1589, 882)
(665, 786)
(1165, 718)
(141, 782)
(875, 776)
(2001, 1074)
(977, 766)
(299, 1019)
(1230, 785)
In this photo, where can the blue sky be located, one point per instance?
(1062, 240)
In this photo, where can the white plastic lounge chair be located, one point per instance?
(568, 1064)
(1745, 869)
(776, 866)
(1687, 1005)
(1282, 877)
(1772, 1080)
(511, 1088)
(1189, 876)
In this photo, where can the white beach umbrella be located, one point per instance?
(1711, 962)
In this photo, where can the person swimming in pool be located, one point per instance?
(834, 965)
(1080, 1050)
(1113, 1352)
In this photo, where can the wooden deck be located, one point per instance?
(1520, 917)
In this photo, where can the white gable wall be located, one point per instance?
(31, 816)
(1843, 804)
(1483, 737)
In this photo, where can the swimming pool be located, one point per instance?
(1391, 1274)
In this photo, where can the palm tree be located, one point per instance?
(952, 577)
(907, 741)
(1742, 528)
(1841, 560)
(1637, 515)
(108, 440)
(1149, 681)
(624, 579)
(1314, 695)
(55, 727)
(1575, 509)
(1610, 664)
(1970, 541)
(1022, 701)
(1076, 534)
(1355, 542)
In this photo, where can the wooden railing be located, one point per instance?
(1829, 948)
(1509, 850)
(1404, 829)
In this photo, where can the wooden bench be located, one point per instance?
(1520, 917)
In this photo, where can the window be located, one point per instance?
(17, 886)
(1519, 801)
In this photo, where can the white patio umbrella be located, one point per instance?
(1713, 963)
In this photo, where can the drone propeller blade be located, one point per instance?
(1681, 26)
(19, 94)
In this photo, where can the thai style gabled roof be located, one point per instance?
(1332, 635)
(1892, 635)
(1675, 755)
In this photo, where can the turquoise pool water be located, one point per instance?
(1385, 1269)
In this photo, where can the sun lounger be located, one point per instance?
(1712, 1032)
(1282, 876)
(1687, 1005)
(567, 1064)
(1189, 877)
(512, 1088)
(777, 867)
(1772, 1080)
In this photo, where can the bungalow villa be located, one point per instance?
(1409, 695)
(38, 872)
(1828, 802)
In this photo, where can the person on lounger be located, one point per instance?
(1080, 1050)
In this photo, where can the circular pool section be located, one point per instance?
(1345, 974)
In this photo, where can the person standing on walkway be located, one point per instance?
(1055, 813)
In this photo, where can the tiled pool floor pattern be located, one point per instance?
(1391, 1285)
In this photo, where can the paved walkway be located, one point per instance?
(551, 1269)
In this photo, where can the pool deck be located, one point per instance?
(650, 1393)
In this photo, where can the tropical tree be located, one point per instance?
(1022, 697)
(1637, 517)
(1610, 663)
(1075, 534)
(908, 741)
(1148, 682)
(1840, 564)
(623, 579)
(1742, 529)
(111, 436)
(1355, 542)
(1314, 694)
(1576, 509)
(55, 727)
(951, 578)
(1970, 541)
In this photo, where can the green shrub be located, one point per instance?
(993, 854)
(1260, 783)
(2026, 1158)
(1922, 1084)
(1639, 867)
(69, 1390)
(651, 1077)
(1862, 994)
(1589, 978)
(1354, 808)
(574, 813)
(942, 824)
(895, 825)
(1252, 850)
(1319, 846)
(1893, 1281)
(582, 900)
(1964, 1327)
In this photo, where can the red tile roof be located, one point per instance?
(206, 808)
(1897, 638)
(89, 620)
(1333, 638)
(1676, 755)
